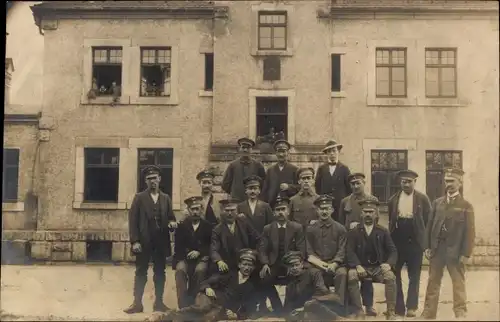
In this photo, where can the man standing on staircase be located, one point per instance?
(150, 220)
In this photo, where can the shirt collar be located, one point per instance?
(407, 195)
(453, 195)
(327, 222)
(245, 160)
(281, 225)
(307, 193)
(230, 225)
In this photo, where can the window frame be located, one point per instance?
(390, 65)
(272, 26)
(108, 50)
(285, 114)
(440, 67)
(441, 170)
(5, 168)
(142, 64)
(388, 172)
(102, 165)
(156, 163)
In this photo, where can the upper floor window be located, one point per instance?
(106, 70)
(209, 71)
(336, 72)
(272, 30)
(440, 72)
(155, 71)
(10, 175)
(391, 72)
(385, 166)
(101, 174)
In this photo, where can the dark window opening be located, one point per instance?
(384, 165)
(435, 163)
(99, 251)
(101, 174)
(106, 71)
(209, 71)
(272, 118)
(163, 159)
(336, 73)
(155, 71)
(272, 30)
(10, 178)
(272, 68)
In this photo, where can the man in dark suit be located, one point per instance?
(257, 212)
(409, 211)
(191, 252)
(371, 254)
(449, 242)
(210, 201)
(277, 239)
(331, 178)
(242, 167)
(281, 178)
(150, 219)
(230, 236)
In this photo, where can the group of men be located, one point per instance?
(305, 229)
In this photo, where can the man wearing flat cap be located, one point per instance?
(230, 236)
(242, 167)
(191, 251)
(449, 241)
(326, 246)
(257, 212)
(302, 209)
(281, 178)
(211, 209)
(331, 178)
(371, 254)
(150, 220)
(306, 296)
(409, 212)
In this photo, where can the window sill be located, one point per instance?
(396, 101)
(205, 93)
(155, 100)
(340, 94)
(13, 206)
(106, 100)
(98, 205)
(258, 52)
(442, 102)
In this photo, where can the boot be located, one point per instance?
(159, 306)
(139, 285)
(390, 315)
(370, 311)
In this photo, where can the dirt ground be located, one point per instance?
(98, 292)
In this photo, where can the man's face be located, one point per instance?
(333, 154)
(295, 267)
(252, 191)
(368, 216)
(153, 181)
(245, 149)
(281, 212)
(305, 180)
(246, 267)
(206, 184)
(357, 186)
(452, 184)
(325, 211)
(195, 211)
(282, 154)
(408, 185)
(229, 214)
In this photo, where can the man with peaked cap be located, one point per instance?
(371, 254)
(326, 246)
(276, 240)
(257, 212)
(331, 178)
(210, 200)
(350, 216)
(409, 211)
(306, 296)
(449, 241)
(230, 236)
(150, 220)
(302, 209)
(281, 178)
(191, 251)
(230, 295)
(242, 167)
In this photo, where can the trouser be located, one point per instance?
(156, 252)
(188, 276)
(268, 289)
(411, 254)
(328, 308)
(457, 273)
(338, 280)
(367, 293)
(377, 276)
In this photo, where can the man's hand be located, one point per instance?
(464, 260)
(361, 271)
(193, 254)
(222, 266)
(172, 225)
(312, 221)
(428, 253)
(297, 311)
(265, 271)
(353, 225)
(241, 215)
(385, 267)
(332, 267)
(231, 315)
(284, 186)
(136, 248)
(210, 292)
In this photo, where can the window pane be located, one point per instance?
(379, 192)
(93, 156)
(336, 73)
(383, 81)
(448, 81)
(111, 156)
(398, 88)
(398, 57)
(115, 56)
(164, 56)
(265, 32)
(431, 57)
(447, 57)
(382, 57)
(100, 56)
(279, 32)
(265, 43)
(431, 81)
(279, 43)
(448, 74)
(398, 74)
(379, 178)
(101, 184)
(165, 157)
(148, 56)
(282, 18)
(146, 157)
(11, 156)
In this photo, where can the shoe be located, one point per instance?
(160, 307)
(134, 308)
(427, 316)
(370, 311)
(460, 315)
(390, 316)
(411, 313)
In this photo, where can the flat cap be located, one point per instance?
(332, 144)
(369, 204)
(292, 256)
(252, 180)
(407, 174)
(205, 174)
(246, 141)
(248, 254)
(454, 172)
(281, 144)
(305, 170)
(323, 199)
(151, 169)
(281, 201)
(229, 202)
(193, 200)
(356, 176)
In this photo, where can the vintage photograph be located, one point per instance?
(266, 160)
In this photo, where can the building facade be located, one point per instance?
(177, 83)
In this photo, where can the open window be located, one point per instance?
(106, 71)
(155, 71)
(272, 118)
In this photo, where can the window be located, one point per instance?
(209, 71)
(385, 165)
(101, 174)
(155, 71)
(106, 70)
(10, 175)
(272, 68)
(440, 72)
(391, 72)
(435, 163)
(336, 73)
(272, 118)
(163, 159)
(272, 30)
